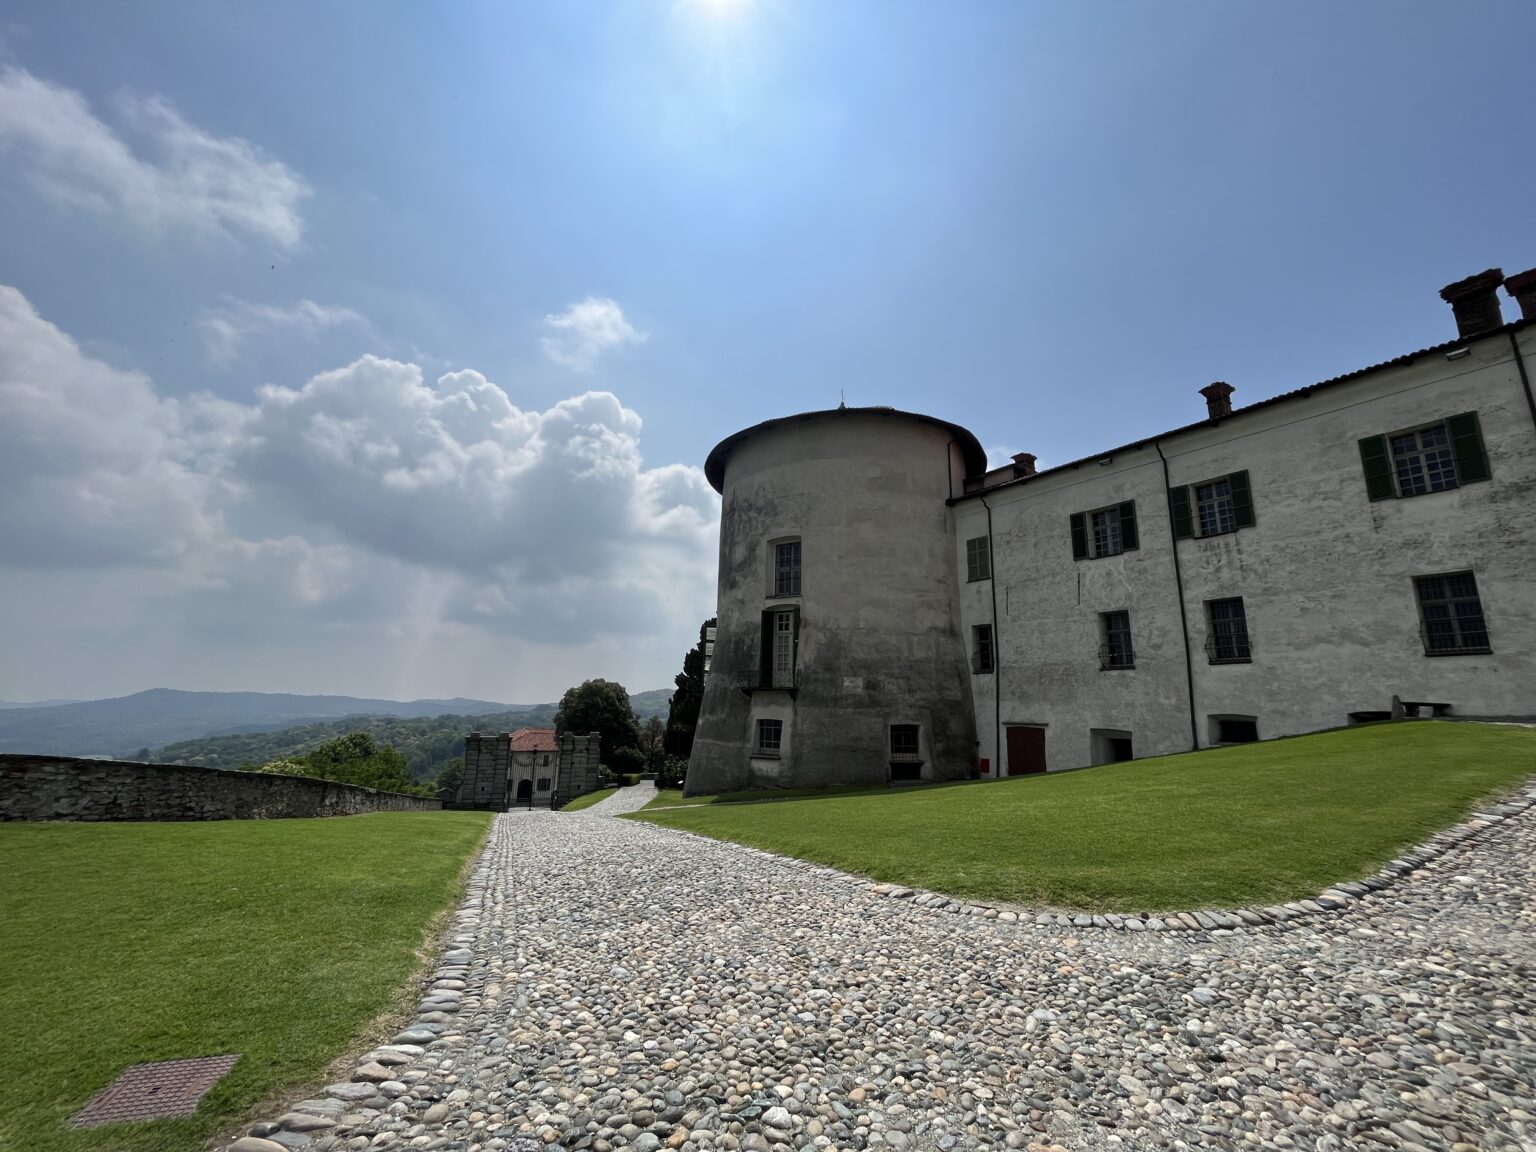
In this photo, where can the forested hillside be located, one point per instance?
(426, 743)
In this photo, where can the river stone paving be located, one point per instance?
(610, 985)
(630, 799)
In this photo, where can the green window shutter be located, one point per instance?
(1378, 471)
(1467, 445)
(1128, 539)
(1079, 537)
(1242, 499)
(1178, 508)
(765, 655)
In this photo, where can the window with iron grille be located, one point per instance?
(904, 742)
(786, 568)
(1226, 639)
(1213, 502)
(1452, 614)
(1115, 649)
(1419, 461)
(981, 648)
(978, 559)
(543, 784)
(770, 734)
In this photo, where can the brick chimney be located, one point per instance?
(1218, 398)
(1522, 286)
(1475, 301)
(1023, 464)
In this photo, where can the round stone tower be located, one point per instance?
(838, 657)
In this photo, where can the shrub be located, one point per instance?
(673, 770)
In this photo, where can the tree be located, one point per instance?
(600, 706)
(355, 758)
(653, 735)
(683, 712)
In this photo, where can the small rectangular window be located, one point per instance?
(1115, 650)
(786, 568)
(904, 742)
(1234, 729)
(1212, 507)
(770, 734)
(981, 648)
(543, 784)
(1418, 461)
(978, 559)
(1106, 532)
(1422, 461)
(1451, 615)
(1226, 640)
(1213, 501)
(1105, 525)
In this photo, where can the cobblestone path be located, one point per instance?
(618, 985)
(629, 799)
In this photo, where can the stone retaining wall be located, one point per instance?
(64, 788)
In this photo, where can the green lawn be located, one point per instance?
(589, 799)
(277, 939)
(1259, 823)
(673, 797)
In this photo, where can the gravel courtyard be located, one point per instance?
(618, 985)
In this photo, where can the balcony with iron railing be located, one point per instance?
(776, 680)
(1229, 648)
(1462, 640)
(1112, 656)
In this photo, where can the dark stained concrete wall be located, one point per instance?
(63, 788)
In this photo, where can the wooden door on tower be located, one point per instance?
(1026, 750)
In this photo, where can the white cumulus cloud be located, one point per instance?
(366, 493)
(181, 176)
(227, 328)
(95, 467)
(578, 337)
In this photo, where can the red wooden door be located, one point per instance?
(1026, 750)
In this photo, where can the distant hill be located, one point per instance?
(4, 704)
(160, 716)
(652, 703)
(426, 743)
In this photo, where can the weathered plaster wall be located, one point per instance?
(61, 788)
(1326, 575)
(487, 762)
(579, 759)
(879, 641)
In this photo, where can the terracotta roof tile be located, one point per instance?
(533, 740)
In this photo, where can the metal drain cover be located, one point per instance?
(154, 1091)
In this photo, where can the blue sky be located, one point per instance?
(1049, 223)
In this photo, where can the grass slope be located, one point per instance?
(674, 798)
(589, 799)
(278, 939)
(1254, 824)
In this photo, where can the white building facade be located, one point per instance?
(1294, 565)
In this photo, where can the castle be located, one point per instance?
(892, 609)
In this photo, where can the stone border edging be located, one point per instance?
(1335, 898)
(373, 1084)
